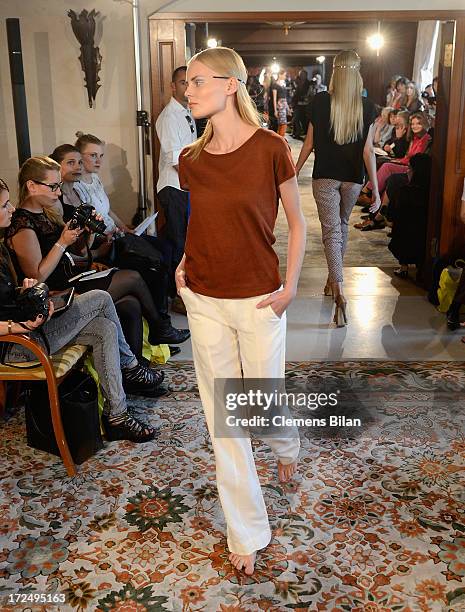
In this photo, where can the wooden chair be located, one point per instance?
(53, 370)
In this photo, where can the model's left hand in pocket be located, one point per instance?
(278, 300)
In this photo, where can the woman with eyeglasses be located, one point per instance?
(90, 320)
(229, 275)
(39, 242)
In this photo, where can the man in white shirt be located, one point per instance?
(175, 130)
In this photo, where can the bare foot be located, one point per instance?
(243, 562)
(286, 471)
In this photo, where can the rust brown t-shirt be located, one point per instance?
(234, 201)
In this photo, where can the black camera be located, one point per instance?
(83, 217)
(30, 303)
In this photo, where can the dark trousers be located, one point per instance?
(300, 121)
(175, 204)
(459, 296)
(165, 278)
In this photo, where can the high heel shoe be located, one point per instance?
(340, 313)
(328, 290)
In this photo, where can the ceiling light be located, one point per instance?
(212, 43)
(376, 41)
(320, 59)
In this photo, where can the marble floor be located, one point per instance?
(389, 318)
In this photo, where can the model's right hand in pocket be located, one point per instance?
(180, 278)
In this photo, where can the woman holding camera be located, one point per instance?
(127, 285)
(39, 242)
(90, 320)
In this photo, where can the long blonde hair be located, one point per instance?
(226, 62)
(346, 87)
(35, 169)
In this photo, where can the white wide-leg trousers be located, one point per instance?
(228, 334)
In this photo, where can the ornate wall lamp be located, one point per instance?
(91, 61)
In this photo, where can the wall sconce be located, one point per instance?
(91, 61)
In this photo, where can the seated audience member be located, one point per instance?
(409, 210)
(39, 242)
(384, 127)
(453, 314)
(90, 320)
(381, 218)
(430, 92)
(90, 189)
(399, 99)
(391, 90)
(419, 142)
(396, 146)
(413, 103)
(90, 185)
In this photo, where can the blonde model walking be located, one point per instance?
(341, 133)
(229, 278)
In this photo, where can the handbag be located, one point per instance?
(79, 413)
(69, 266)
(448, 283)
(134, 253)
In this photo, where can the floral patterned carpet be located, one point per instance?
(372, 523)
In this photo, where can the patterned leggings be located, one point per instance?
(335, 200)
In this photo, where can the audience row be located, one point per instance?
(62, 233)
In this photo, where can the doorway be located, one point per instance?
(298, 38)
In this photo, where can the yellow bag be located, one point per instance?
(89, 366)
(156, 354)
(448, 284)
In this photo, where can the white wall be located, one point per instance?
(56, 96)
(57, 99)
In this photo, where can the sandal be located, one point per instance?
(143, 380)
(364, 198)
(328, 290)
(362, 224)
(374, 225)
(340, 312)
(127, 427)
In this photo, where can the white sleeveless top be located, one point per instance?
(94, 193)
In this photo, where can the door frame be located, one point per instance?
(167, 50)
